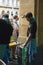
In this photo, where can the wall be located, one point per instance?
(25, 6)
(40, 22)
(39, 19)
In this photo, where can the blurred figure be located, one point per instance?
(11, 20)
(15, 33)
(5, 34)
(16, 28)
(31, 36)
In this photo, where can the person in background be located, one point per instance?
(16, 28)
(11, 20)
(5, 35)
(31, 36)
(15, 34)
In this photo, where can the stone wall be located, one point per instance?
(40, 22)
(25, 6)
(39, 19)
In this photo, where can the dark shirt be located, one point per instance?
(32, 29)
(5, 32)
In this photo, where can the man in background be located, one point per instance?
(31, 36)
(16, 28)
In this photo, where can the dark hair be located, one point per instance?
(15, 16)
(29, 15)
(6, 15)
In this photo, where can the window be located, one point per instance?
(12, 2)
(15, 3)
(7, 2)
(1, 1)
(18, 3)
